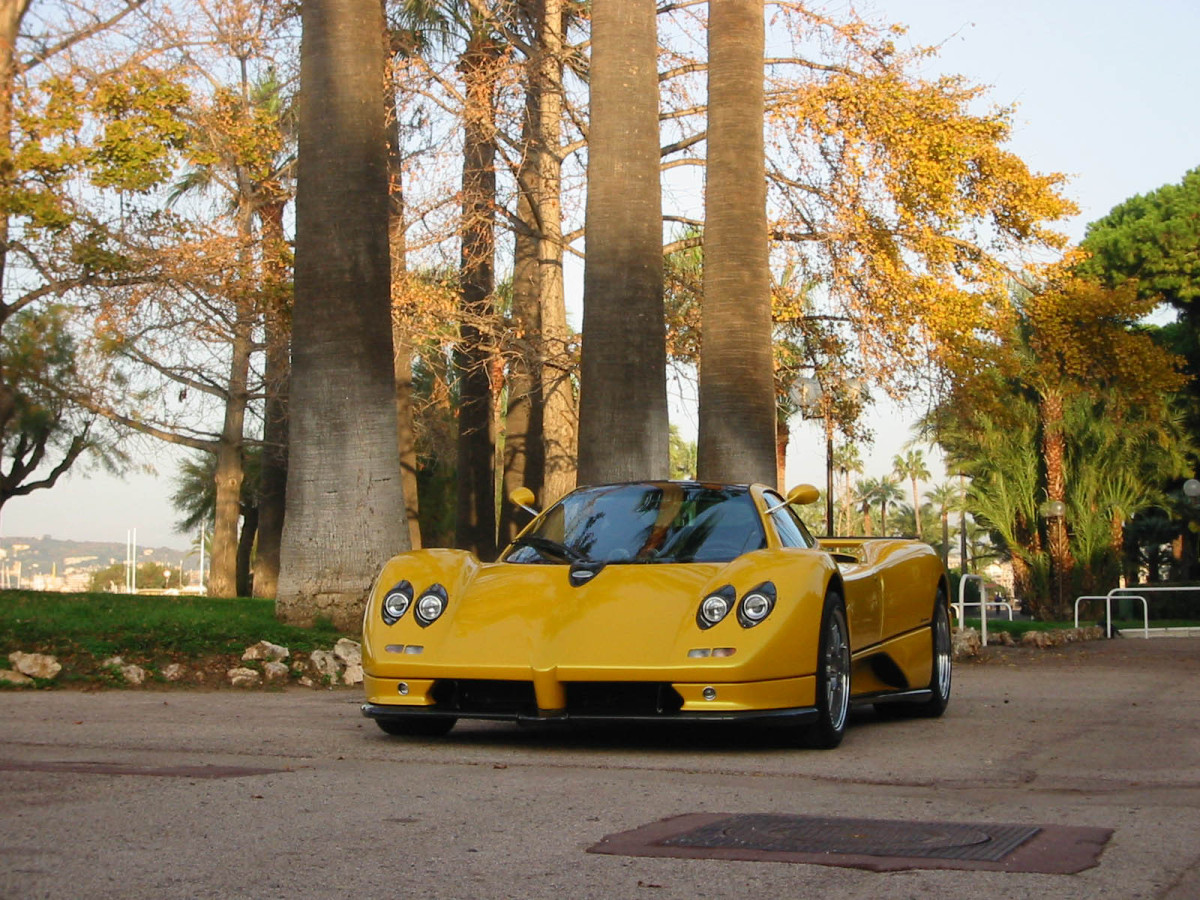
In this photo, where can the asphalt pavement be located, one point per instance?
(167, 793)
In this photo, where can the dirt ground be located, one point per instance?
(291, 793)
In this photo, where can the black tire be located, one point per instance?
(833, 677)
(943, 661)
(941, 671)
(416, 726)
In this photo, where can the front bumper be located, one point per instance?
(542, 700)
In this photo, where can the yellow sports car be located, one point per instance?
(664, 601)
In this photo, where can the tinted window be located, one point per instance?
(647, 523)
(791, 531)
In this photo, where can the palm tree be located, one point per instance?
(847, 461)
(944, 498)
(865, 491)
(345, 509)
(886, 491)
(911, 465)
(623, 428)
(737, 390)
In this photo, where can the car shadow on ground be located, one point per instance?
(727, 737)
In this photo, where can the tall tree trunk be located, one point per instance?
(401, 328)
(523, 419)
(11, 14)
(623, 427)
(556, 364)
(245, 549)
(277, 319)
(230, 468)
(476, 522)
(737, 385)
(345, 512)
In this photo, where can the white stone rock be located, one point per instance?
(11, 677)
(243, 677)
(1035, 639)
(966, 643)
(353, 674)
(175, 672)
(305, 681)
(266, 650)
(35, 665)
(325, 663)
(133, 674)
(348, 651)
(273, 670)
(113, 661)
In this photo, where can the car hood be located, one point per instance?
(509, 617)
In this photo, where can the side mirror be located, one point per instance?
(803, 494)
(523, 497)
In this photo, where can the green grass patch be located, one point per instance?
(1017, 627)
(102, 625)
(1156, 623)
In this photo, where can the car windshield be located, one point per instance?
(644, 523)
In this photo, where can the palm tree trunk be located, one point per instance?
(345, 512)
(623, 427)
(737, 385)
(476, 521)
(1054, 454)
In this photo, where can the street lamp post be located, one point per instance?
(1191, 490)
(817, 401)
(1055, 511)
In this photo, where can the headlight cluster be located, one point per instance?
(756, 604)
(429, 606)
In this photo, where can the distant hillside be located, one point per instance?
(47, 556)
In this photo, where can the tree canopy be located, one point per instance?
(1154, 240)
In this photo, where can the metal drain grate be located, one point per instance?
(869, 837)
(880, 845)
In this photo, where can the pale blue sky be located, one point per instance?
(1106, 93)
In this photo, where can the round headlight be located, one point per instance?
(756, 605)
(431, 604)
(714, 609)
(396, 602)
(715, 606)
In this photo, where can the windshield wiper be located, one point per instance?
(550, 549)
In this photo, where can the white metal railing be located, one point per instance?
(1108, 599)
(983, 603)
(1121, 594)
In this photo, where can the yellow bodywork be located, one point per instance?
(526, 623)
